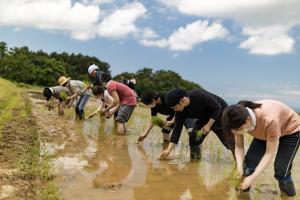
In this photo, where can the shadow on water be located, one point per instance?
(96, 163)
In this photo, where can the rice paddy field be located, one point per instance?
(90, 161)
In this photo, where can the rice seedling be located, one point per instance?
(157, 121)
(199, 134)
(63, 95)
(51, 105)
(219, 154)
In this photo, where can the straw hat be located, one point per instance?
(62, 80)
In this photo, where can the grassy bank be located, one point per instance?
(10, 98)
(20, 147)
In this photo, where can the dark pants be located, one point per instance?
(227, 140)
(188, 124)
(288, 146)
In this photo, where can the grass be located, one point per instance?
(37, 166)
(10, 99)
(32, 164)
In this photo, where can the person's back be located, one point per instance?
(57, 91)
(203, 104)
(126, 95)
(78, 86)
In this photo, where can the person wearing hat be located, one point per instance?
(156, 101)
(77, 89)
(124, 102)
(275, 128)
(204, 106)
(95, 75)
(59, 93)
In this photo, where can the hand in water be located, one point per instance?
(142, 137)
(164, 155)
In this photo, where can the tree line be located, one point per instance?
(22, 65)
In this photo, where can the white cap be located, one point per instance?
(92, 68)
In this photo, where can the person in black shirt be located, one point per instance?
(207, 108)
(158, 105)
(95, 75)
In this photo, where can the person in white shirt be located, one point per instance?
(105, 100)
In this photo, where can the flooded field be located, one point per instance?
(91, 162)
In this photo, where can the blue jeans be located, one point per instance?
(80, 104)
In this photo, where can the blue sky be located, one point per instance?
(236, 49)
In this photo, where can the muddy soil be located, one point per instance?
(16, 136)
(92, 162)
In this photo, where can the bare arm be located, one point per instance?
(239, 153)
(271, 150)
(116, 100)
(110, 110)
(272, 147)
(146, 132)
(164, 155)
(206, 128)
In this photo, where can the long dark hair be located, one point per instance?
(235, 116)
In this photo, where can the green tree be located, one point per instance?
(159, 81)
(3, 49)
(40, 68)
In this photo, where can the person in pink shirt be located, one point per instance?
(124, 102)
(275, 128)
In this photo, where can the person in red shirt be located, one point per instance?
(275, 128)
(124, 102)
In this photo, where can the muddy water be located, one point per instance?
(95, 163)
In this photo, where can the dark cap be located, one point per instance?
(173, 97)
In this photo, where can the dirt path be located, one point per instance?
(17, 137)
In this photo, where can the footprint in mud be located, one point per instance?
(266, 188)
(113, 186)
(107, 186)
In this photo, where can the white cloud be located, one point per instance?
(161, 43)
(121, 22)
(268, 41)
(251, 14)
(80, 20)
(148, 33)
(56, 15)
(96, 2)
(185, 38)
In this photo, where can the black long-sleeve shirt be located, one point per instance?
(203, 106)
(162, 108)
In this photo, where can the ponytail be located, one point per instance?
(249, 104)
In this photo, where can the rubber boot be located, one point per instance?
(81, 114)
(76, 113)
(287, 187)
(195, 152)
